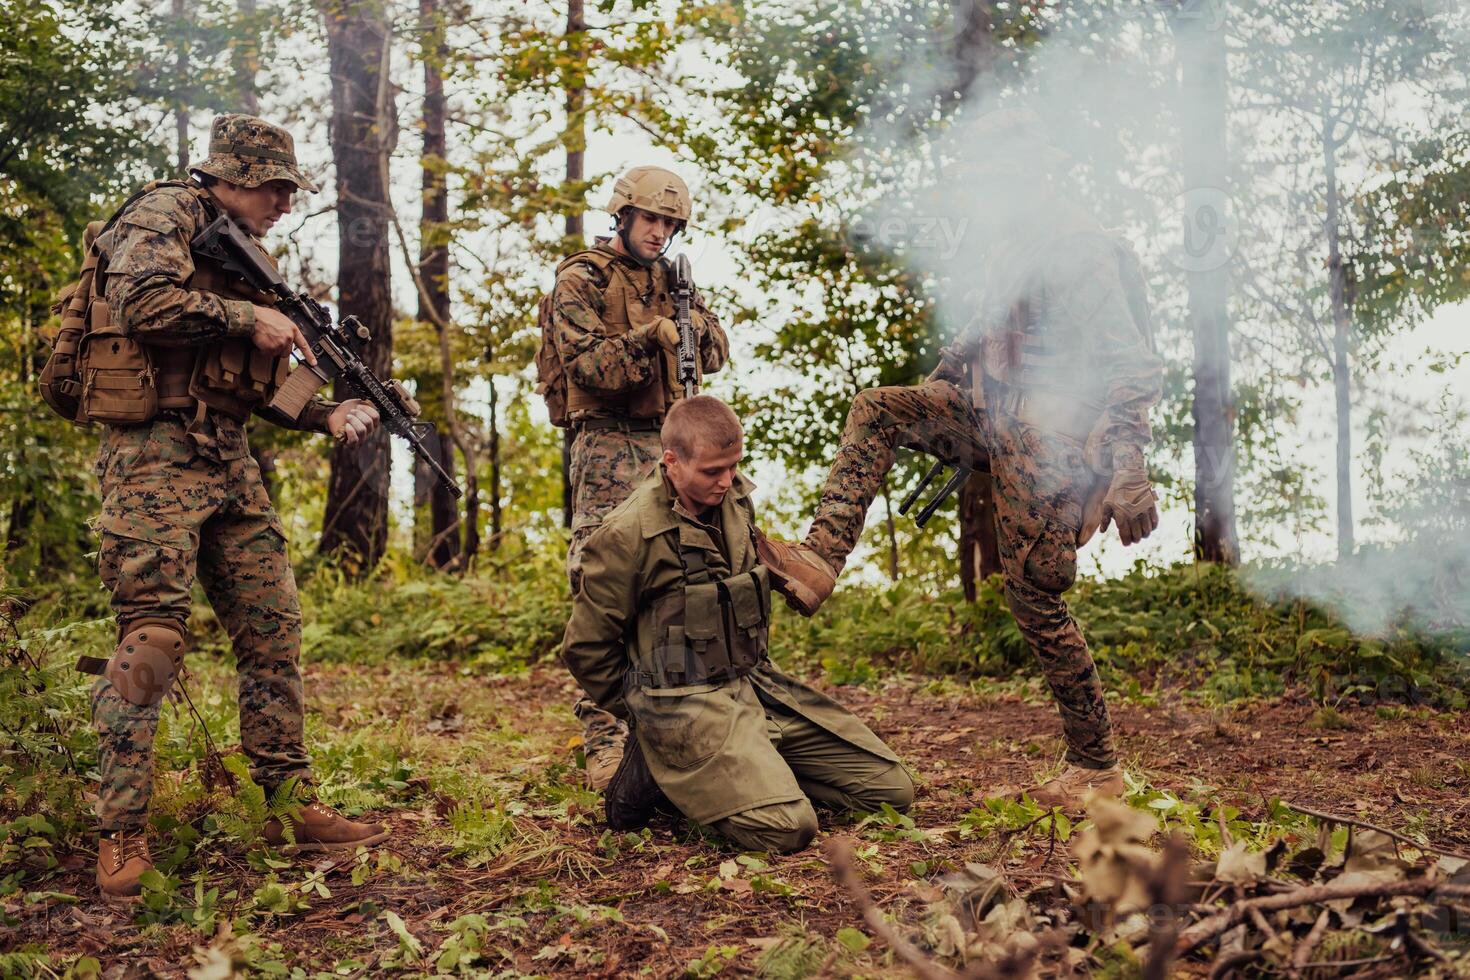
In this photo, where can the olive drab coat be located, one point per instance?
(700, 739)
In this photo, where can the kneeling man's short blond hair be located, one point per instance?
(702, 418)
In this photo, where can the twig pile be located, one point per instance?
(1366, 910)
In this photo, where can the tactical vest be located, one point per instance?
(627, 305)
(115, 379)
(711, 630)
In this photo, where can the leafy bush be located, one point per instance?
(511, 616)
(1192, 627)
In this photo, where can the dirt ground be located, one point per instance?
(679, 897)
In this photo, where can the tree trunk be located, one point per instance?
(434, 268)
(1341, 333)
(355, 523)
(892, 530)
(495, 514)
(979, 541)
(1200, 47)
(245, 58)
(574, 138)
(471, 518)
(443, 508)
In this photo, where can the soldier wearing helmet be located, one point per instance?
(610, 338)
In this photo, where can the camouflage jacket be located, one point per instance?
(597, 357)
(149, 265)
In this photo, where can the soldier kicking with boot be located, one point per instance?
(608, 373)
(669, 630)
(1052, 384)
(181, 493)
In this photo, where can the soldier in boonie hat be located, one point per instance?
(248, 151)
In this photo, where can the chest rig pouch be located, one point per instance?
(713, 631)
(630, 299)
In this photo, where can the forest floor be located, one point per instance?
(498, 864)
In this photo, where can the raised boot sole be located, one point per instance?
(802, 597)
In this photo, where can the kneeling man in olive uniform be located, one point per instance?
(669, 631)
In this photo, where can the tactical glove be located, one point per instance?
(1130, 501)
(664, 332)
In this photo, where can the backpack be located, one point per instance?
(551, 374)
(60, 381)
(118, 368)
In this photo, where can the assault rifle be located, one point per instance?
(688, 349)
(337, 346)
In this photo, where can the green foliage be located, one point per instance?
(1196, 628)
(479, 833)
(798, 953)
(711, 963)
(499, 622)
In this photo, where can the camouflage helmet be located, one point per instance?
(249, 151)
(652, 189)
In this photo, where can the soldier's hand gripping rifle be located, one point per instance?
(337, 346)
(688, 347)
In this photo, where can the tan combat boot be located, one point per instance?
(1071, 789)
(796, 572)
(603, 751)
(122, 860)
(320, 828)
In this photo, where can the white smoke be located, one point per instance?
(947, 198)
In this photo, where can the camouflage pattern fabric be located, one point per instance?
(1040, 482)
(169, 509)
(606, 465)
(148, 267)
(249, 151)
(616, 360)
(148, 290)
(600, 354)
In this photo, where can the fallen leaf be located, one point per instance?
(1240, 865)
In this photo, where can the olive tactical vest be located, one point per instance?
(711, 630)
(627, 305)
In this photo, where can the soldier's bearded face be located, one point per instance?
(648, 233)
(702, 480)
(257, 208)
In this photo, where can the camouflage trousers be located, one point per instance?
(607, 464)
(169, 512)
(1040, 482)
